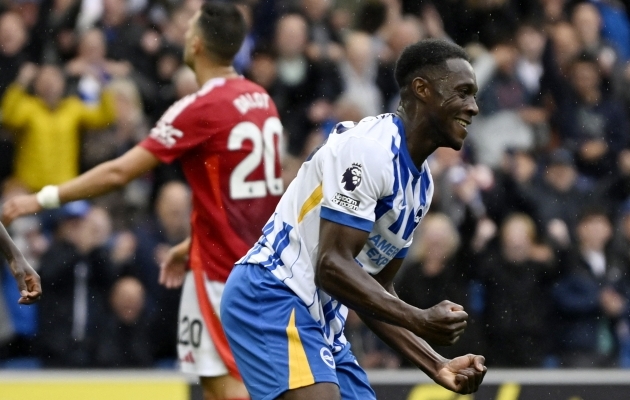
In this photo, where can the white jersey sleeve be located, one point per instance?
(357, 172)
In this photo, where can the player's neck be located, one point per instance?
(205, 70)
(419, 148)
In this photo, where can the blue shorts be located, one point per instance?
(276, 343)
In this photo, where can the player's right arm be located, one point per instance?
(27, 279)
(339, 275)
(101, 179)
(462, 374)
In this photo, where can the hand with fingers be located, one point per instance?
(27, 280)
(442, 324)
(462, 374)
(19, 206)
(173, 266)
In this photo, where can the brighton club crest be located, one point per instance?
(352, 177)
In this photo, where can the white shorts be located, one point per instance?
(196, 351)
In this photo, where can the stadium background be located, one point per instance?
(529, 228)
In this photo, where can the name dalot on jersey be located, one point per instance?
(345, 201)
(247, 101)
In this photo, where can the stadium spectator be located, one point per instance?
(90, 70)
(515, 323)
(124, 340)
(436, 269)
(560, 197)
(591, 297)
(168, 227)
(358, 72)
(47, 125)
(587, 21)
(595, 125)
(306, 88)
(76, 277)
(506, 104)
(324, 43)
(13, 40)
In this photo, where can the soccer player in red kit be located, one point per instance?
(226, 137)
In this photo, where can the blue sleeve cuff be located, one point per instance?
(346, 219)
(402, 253)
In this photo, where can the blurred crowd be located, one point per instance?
(529, 228)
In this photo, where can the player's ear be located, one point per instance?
(197, 44)
(420, 88)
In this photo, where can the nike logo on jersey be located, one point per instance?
(247, 101)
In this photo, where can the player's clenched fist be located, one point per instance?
(442, 324)
(18, 206)
(462, 374)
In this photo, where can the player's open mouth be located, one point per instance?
(462, 122)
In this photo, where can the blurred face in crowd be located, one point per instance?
(127, 299)
(92, 46)
(50, 85)
(566, 43)
(173, 210)
(561, 177)
(405, 33)
(517, 238)
(263, 69)
(114, 12)
(359, 52)
(13, 34)
(587, 23)
(594, 232)
(437, 240)
(315, 9)
(291, 36)
(530, 42)
(585, 78)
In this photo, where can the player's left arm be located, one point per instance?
(462, 374)
(27, 279)
(103, 178)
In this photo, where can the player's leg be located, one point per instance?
(317, 391)
(196, 350)
(224, 387)
(353, 381)
(278, 347)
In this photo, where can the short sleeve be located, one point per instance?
(185, 125)
(356, 173)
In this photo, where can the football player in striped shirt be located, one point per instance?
(337, 238)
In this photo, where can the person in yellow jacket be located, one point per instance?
(48, 126)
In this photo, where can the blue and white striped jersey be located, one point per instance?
(362, 177)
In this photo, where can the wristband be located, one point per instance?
(48, 197)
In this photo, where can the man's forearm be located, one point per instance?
(406, 343)
(101, 179)
(108, 176)
(8, 248)
(348, 283)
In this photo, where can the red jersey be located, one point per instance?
(226, 137)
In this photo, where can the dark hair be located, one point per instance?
(423, 54)
(591, 210)
(222, 28)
